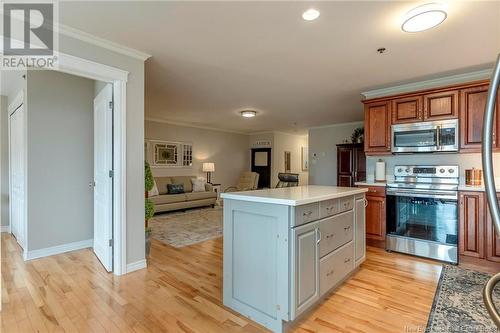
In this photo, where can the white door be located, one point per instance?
(103, 181)
(17, 175)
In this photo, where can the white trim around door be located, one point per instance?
(96, 71)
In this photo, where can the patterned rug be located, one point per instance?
(187, 228)
(458, 302)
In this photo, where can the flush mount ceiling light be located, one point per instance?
(310, 14)
(424, 17)
(248, 113)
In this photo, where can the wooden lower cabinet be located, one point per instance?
(477, 236)
(375, 216)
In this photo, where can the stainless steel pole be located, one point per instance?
(489, 182)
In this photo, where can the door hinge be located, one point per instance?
(111, 105)
(111, 243)
(111, 173)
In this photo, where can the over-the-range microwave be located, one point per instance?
(423, 137)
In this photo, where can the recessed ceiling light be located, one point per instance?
(424, 17)
(248, 113)
(310, 14)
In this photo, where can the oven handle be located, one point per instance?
(438, 137)
(424, 194)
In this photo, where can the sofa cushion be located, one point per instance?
(161, 183)
(175, 188)
(200, 195)
(168, 198)
(184, 180)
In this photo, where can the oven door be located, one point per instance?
(423, 215)
(408, 138)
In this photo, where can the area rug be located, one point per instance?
(187, 228)
(458, 302)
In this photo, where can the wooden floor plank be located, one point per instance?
(181, 291)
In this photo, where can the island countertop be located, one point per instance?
(294, 196)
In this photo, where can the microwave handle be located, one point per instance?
(438, 137)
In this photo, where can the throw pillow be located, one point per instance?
(198, 185)
(175, 188)
(154, 191)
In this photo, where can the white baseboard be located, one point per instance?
(50, 251)
(136, 266)
(5, 228)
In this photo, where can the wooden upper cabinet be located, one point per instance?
(471, 224)
(377, 127)
(472, 104)
(441, 105)
(407, 109)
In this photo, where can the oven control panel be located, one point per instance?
(438, 171)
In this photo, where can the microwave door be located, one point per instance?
(415, 140)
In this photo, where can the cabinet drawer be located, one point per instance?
(306, 213)
(334, 267)
(328, 208)
(346, 204)
(335, 232)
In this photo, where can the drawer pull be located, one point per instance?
(330, 236)
(347, 260)
(329, 273)
(329, 209)
(347, 228)
(307, 214)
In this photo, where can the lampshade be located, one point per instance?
(208, 167)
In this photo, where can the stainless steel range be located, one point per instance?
(422, 211)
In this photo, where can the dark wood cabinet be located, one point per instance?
(351, 164)
(375, 214)
(472, 105)
(471, 224)
(407, 109)
(441, 105)
(492, 239)
(378, 127)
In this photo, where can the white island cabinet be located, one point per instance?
(285, 249)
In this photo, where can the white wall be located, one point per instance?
(229, 151)
(292, 143)
(4, 162)
(60, 158)
(135, 135)
(323, 151)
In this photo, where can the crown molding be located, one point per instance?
(427, 84)
(183, 124)
(338, 125)
(101, 42)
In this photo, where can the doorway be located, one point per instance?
(261, 163)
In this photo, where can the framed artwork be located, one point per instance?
(169, 154)
(288, 161)
(305, 158)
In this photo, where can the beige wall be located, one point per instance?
(292, 143)
(229, 151)
(323, 151)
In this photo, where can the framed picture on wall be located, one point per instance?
(304, 158)
(288, 161)
(169, 154)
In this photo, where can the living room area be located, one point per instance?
(192, 165)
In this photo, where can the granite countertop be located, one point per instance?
(294, 196)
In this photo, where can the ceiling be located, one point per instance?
(212, 59)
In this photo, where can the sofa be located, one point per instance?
(165, 202)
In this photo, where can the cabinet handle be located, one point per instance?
(307, 214)
(347, 228)
(329, 273)
(366, 203)
(318, 235)
(330, 236)
(347, 260)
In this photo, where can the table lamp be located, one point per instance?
(208, 167)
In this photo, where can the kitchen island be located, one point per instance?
(285, 249)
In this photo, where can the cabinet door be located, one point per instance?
(359, 229)
(345, 180)
(344, 160)
(407, 110)
(492, 240)
(306, 268)
(472, 104)
(375, 217)
(471, 224)
(441, 105)
(377, 127)
(359, 165)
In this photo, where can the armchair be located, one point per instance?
(248, 181)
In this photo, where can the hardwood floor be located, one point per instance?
(180, 291)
